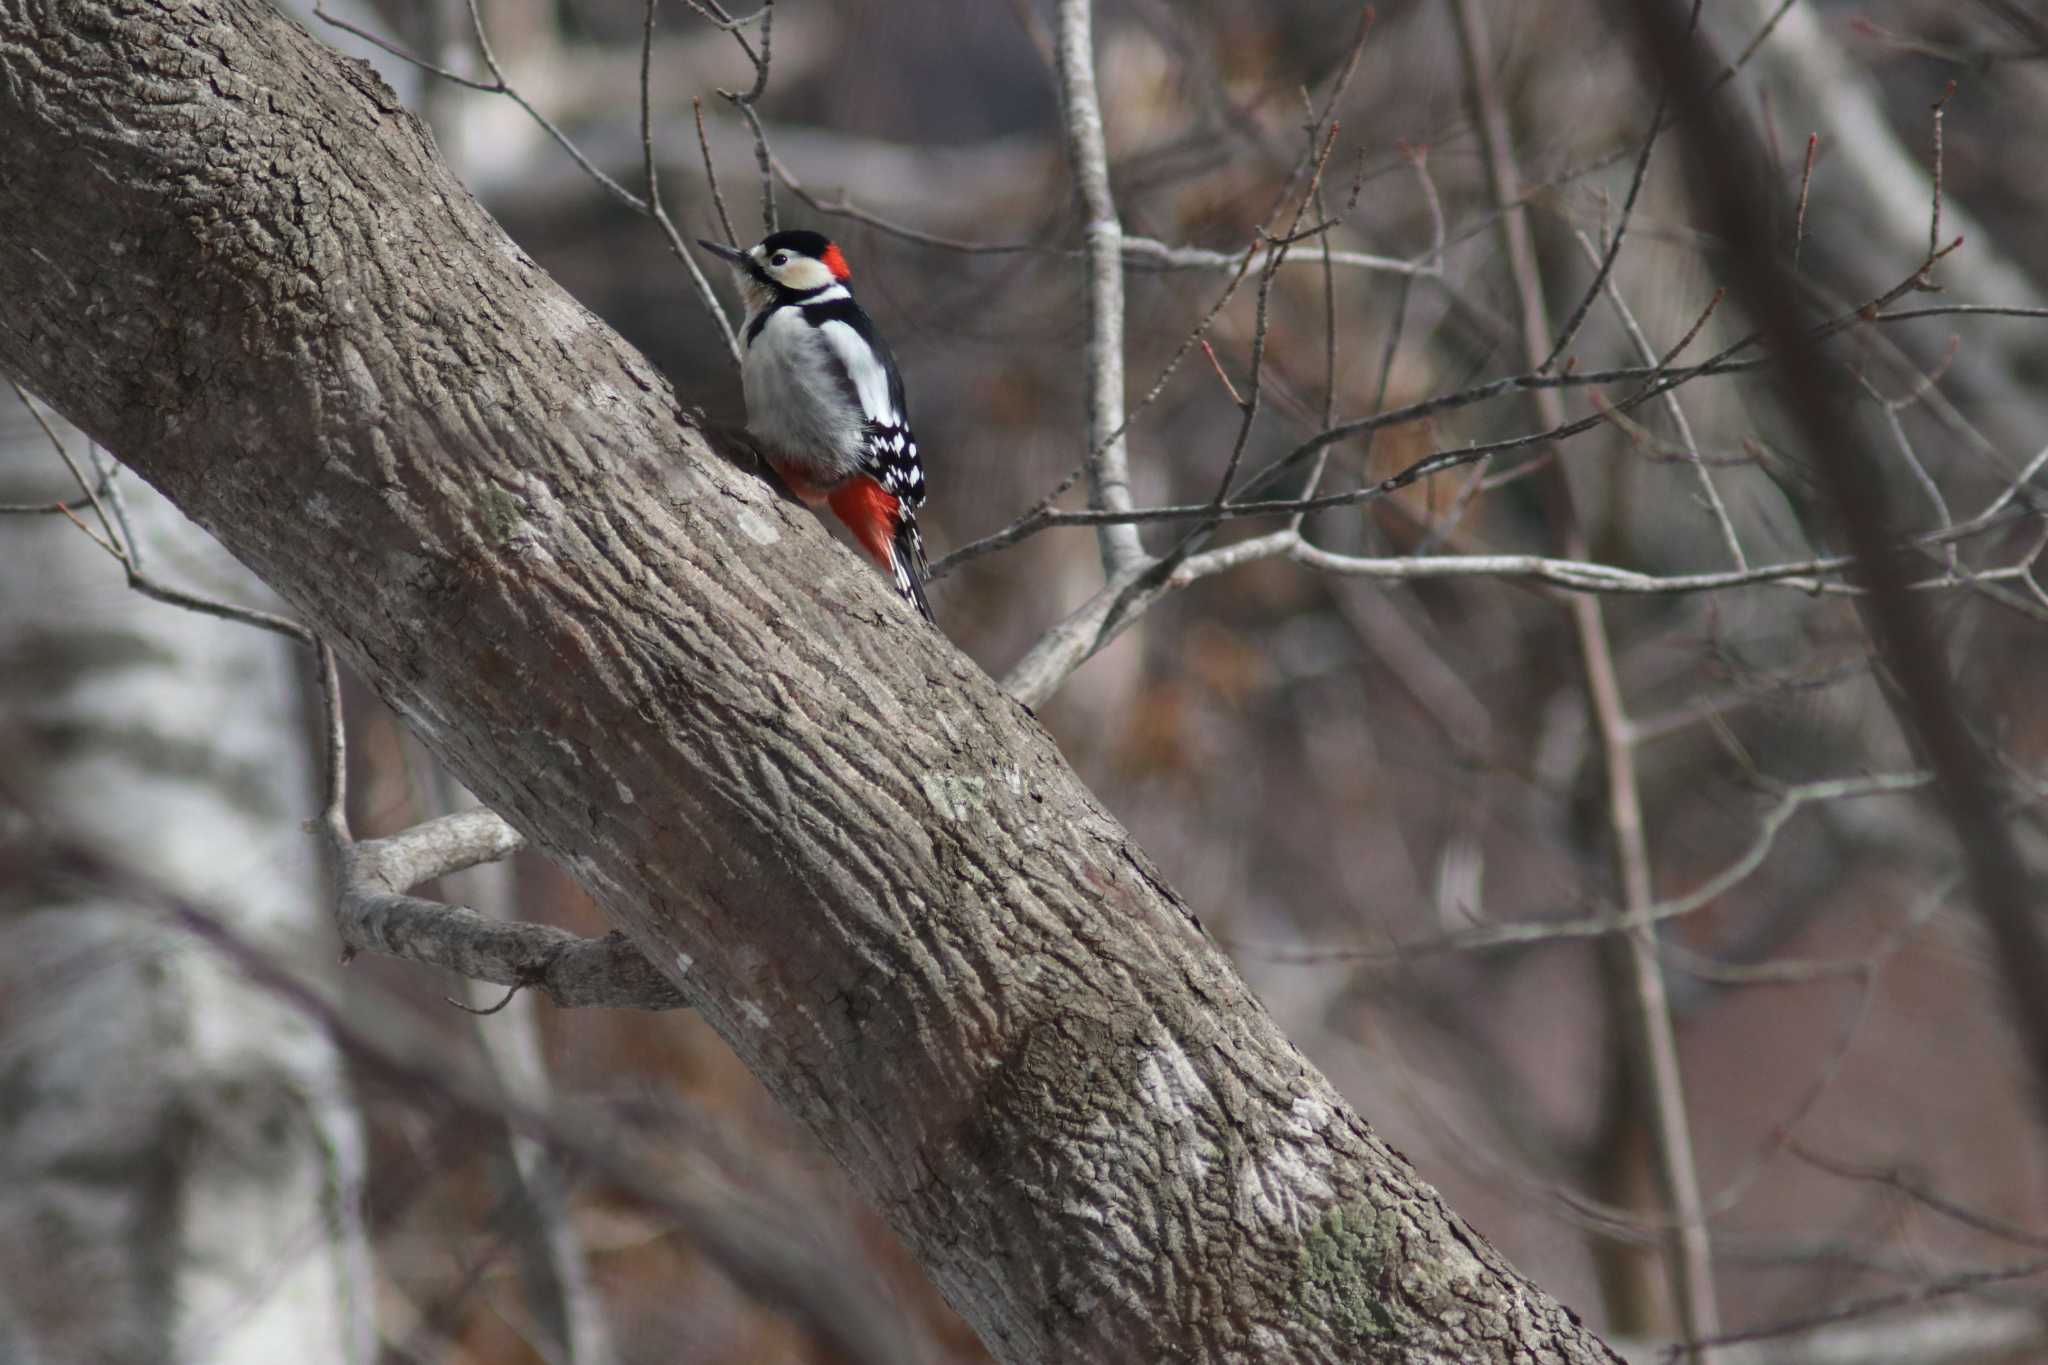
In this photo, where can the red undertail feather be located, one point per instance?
(888, 532)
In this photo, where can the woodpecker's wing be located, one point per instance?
(872, 377)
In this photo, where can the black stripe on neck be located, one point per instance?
(785, 297)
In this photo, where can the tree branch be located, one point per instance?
(1109, 478)
(1725, 162)
(375, 914)
(1639, 1004)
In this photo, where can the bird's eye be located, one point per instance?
(781, 259)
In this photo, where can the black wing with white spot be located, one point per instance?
(890, 456)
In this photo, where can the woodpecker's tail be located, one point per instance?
(906, 562)
(887, 530)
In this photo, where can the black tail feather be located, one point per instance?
(907, 552)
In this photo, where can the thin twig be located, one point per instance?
(658, 211)
(1805, 188)
(113, 542)
(1924, 696)
(1249, 405)
(500, 86)
(1544, 931)
(1655, 380)
(1675, 409)
(745, 101)
(1917, 1190)
(1038, 517)
(1962, 1282)
(1606, 259)
(1236, 399)
(123, 554)
(1329, 419)
(43, 509)
(1894, 410)
(711, 174)
(1148, 252)
(334, 747)
(1934, 217)
(1811, 577)
(648, 206)
(1653, 1039)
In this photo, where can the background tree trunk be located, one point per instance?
(233, 258)
(180, 1159)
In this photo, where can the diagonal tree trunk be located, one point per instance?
(232, 256)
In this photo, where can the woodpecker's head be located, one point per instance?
(784, 263)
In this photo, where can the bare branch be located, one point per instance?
(1937, 1287)
(711, 175)
(1041, 515)
(1604, 260)
(1672, 406)
(649, 207)
(1722, 159)
(1805, 189)
(1539, 932)
(746, 100)
(1146, 251)
(743, 1237)
(1048, 663)
(1109, 479)
(1635, 977)
(373, 913)
(658, 211)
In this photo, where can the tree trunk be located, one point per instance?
(231, 256)
(179, 1155)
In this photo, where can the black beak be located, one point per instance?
(732, 254)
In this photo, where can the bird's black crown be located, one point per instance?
(800, 240)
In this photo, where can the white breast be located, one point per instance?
(796, 400)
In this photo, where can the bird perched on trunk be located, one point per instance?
(825, 401)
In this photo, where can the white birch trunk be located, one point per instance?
(179, 1156)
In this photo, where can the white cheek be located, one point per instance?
(806, 274)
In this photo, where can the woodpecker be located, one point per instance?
(825, 400)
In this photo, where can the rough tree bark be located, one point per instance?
(231, 256)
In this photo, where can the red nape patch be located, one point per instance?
(835, 262)
(869, 511)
